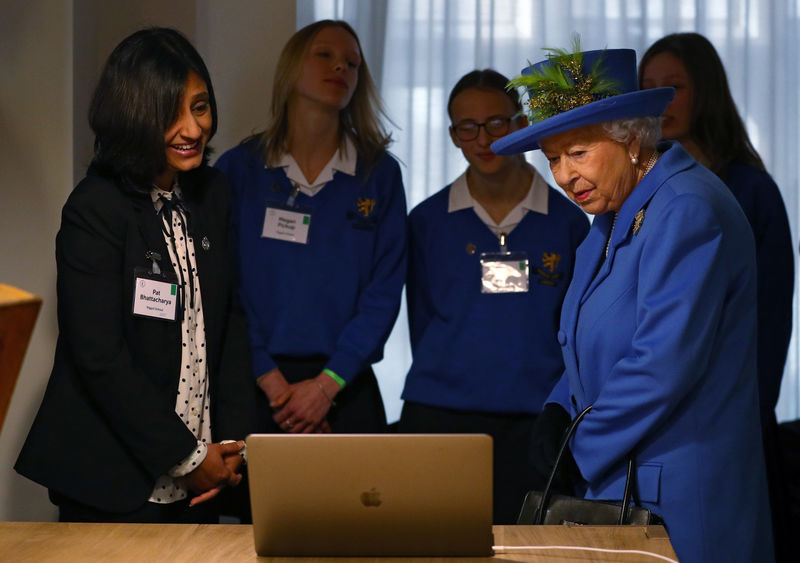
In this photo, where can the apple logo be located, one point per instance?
(371, 497)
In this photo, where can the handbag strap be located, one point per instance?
(541, 510)
(545, 500)
(624, 510)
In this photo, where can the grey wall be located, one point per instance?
(51, 52)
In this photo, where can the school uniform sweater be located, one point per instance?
(487, 352)
(336, 296)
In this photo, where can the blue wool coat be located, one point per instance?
(660, 337)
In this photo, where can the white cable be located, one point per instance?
(501, 548)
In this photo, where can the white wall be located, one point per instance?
(242, 64)
(51, 53)
(97, 27)
(35, 175)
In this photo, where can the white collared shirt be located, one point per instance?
(534, 200)
(343, 160)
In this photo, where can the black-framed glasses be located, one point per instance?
(495, 126)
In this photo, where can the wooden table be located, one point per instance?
(18, 312)
(66, 542)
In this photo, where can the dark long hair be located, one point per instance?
(486, 79)
(714, 124)
(137, 99)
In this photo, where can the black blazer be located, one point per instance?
(107, 426)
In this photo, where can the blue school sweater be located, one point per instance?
(475, 351)
(336, 296)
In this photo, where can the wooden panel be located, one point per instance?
(18, 312)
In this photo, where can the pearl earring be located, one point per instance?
(634, 160)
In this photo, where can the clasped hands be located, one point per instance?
(219, 469)
(299, 408)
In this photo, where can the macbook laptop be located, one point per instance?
(371, 494)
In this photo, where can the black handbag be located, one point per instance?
(546, 508)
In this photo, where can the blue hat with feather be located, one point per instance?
(570, 90)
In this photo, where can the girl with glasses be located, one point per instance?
(704, 119)
(490, 257)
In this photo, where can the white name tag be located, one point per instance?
(157, 299)
(505, 272)
(284, 224)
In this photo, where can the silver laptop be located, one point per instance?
(371, 494)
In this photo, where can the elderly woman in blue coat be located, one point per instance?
(658, 326)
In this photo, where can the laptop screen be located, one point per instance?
(371, 494)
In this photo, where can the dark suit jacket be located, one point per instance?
(107, 426)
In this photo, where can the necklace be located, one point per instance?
(650, 163)
(611, 232)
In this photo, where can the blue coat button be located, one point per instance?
(562, 337)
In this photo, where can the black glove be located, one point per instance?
(546, 436)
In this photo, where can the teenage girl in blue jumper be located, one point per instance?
(484, 343)
(703, 118)
(319, 214)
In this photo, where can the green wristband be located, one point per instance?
(335, 377)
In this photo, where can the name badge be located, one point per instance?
(155, 298)
(285, 224)
(504, 272)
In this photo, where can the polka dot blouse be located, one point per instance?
(192, 403)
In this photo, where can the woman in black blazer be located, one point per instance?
(150, 373)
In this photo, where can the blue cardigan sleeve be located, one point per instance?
(560, 394)
(364, 335)
(775, 261)
(236, 166)
(420, 309)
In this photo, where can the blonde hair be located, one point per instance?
(361, 119)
